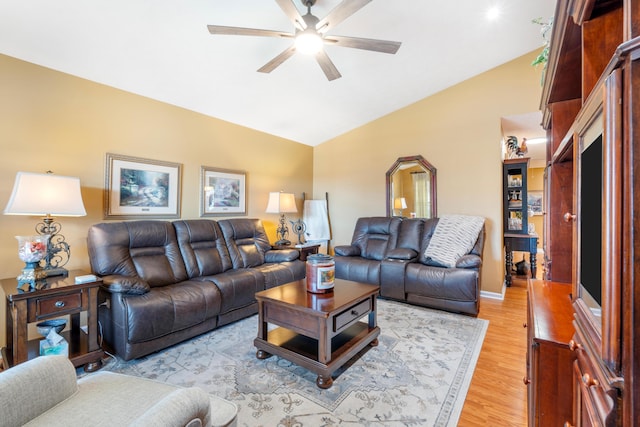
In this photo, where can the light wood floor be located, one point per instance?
(497, 395)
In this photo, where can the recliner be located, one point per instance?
(402, 269)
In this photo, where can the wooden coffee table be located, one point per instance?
(320, 332)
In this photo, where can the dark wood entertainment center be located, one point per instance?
(591, 110)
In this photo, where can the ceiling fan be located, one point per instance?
(310, 35)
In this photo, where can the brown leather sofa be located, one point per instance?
(165, 282)
(390, 252)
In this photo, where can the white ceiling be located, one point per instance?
(161, 49)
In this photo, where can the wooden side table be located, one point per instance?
(60, 296)
(304, 250)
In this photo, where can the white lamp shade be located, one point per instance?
(281, 203)
(400, 203)
(42, 194)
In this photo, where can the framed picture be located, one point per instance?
(534, 202)
(222, 192)
(141, 188)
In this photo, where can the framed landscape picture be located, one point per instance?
(534, 202)
(141, 188)
(222, 192)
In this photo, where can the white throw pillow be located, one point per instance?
(454, 236)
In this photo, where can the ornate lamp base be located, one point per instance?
(33, 275)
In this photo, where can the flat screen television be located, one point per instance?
(591, 186)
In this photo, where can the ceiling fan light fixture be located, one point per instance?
(308, 42)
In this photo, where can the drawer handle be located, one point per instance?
(524, 325)
(526, 380)
(567, 424)
(588, 380)
(354, 313)
(573, 346)
(59, 304)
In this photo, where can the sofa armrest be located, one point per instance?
(32, 388)
(469, 261)
(347, 250)
(182, 407)
(281, 255)
(125, 285)
(402, 254)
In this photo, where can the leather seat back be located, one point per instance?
(246, 240)
(145, 249)
(203, 247)
(374, 236)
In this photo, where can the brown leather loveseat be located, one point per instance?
(165, 282)
(395, 253)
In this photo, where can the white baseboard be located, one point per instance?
(494, 295)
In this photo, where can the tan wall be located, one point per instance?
(53, 121)
(456, 130)
(535, 182)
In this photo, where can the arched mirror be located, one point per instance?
(411, 188)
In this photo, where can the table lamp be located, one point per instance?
(47, 194)
(282, 203)
(399, 204)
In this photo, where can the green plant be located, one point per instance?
(543, 57)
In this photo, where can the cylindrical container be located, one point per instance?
(321, 271)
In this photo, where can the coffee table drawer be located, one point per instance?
(351, 315)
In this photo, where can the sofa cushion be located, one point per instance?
(276, 274)
(454, 236)
(144, 249)
(358, 269)
(246, 240)
(375, 235)
(203, 247)
(171, 308)
(446, 283)
(237, 287)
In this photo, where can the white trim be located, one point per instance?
(494, 295)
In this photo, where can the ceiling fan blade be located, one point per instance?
(340, 13)
(239, 31)
(384, 46)
(327, 66)
(271, 65)
(292, 13)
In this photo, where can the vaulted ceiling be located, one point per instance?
(161, 49)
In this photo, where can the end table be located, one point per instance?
(60, 296)
(305, 250)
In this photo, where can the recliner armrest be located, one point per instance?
(125, 285)
(347, 250)
(469, 261)
(281, 255)
(402, 254)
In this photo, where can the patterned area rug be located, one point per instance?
(418, 375)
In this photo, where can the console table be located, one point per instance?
(59, 297)
(523, 243)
